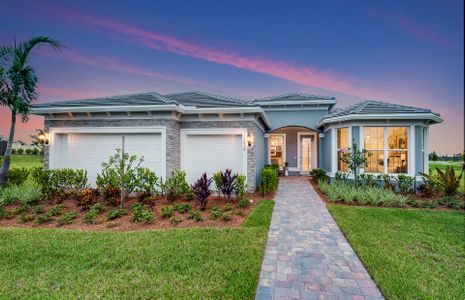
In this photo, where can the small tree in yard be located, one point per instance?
(355, 159)
(202, 190)
(120, 171)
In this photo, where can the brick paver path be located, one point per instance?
(306, 255)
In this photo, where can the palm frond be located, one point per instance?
(26, 47)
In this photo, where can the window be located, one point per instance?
(277, 144)
(389, 148)
(342, 143)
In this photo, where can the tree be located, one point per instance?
(18, 82)
(355, 159)
(433, 156)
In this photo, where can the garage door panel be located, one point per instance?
(89, 150)
(212, 153)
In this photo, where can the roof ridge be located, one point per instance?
(295, 94)
(213, 95)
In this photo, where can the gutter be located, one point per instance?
(422, 116)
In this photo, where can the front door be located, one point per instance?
(305, 155)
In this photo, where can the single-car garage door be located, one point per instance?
(88, 151)
(211, 151)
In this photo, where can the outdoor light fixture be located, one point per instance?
(249, 140)
(43, 139)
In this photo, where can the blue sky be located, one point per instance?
(407, 52)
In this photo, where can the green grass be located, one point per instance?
(411, 254)
(26, 161)
(197, 263)
(442, 166)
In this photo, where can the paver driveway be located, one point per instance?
(306, 255)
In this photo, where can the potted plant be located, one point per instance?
(286, 169)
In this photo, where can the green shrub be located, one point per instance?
(430, 204)
(25, 218)
(141, 213)
(41, 219)
(451, 202)
(367, 179)
(27, 194)
(215, 213)
(195, 215)
(226, 216)
(405, 183)
(269, 181)
(183, 208)
(67, 218)
(56, 210)
(176, 185)
(19, 210)
(228, 207)
(147, 181)
(243, 203)
(38, 209)
(446, 180)
(167, 211)
(19, 151)
(240, 185)
(342, 176)
(86, 197)
(412, 202)
(217, 180)
(116, 213)
(175, 220)
(319, 175)
(17, 176)
(90, 216)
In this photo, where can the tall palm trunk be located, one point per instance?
(9, 147)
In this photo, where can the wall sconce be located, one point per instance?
(43, 139)
(249, 140)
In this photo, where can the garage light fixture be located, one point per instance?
(249, 140)
(43, 139)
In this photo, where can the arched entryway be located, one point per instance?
(296, 145)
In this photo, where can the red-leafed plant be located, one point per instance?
(202, 190)
(227, 183)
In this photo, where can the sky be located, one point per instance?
(405, 52)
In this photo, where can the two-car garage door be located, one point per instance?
(87, 150)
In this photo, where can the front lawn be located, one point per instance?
(26, 161)
(442, 166)
(197, 263)
(411, 254)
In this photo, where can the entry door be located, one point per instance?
(306, 155)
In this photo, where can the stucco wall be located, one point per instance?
(304, 118)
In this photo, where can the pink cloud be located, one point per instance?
(110, 64)
(306, 76)
(418, 31)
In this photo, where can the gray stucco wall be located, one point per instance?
(419, 150)
(326, 162)
(304, 118)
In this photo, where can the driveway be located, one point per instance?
(306, 255)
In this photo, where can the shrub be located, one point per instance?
(41, 219)
(215, 213)
(111, 194)
(141, 213)
(19, 151)
(67, 218)
(425, 189)
(86, 197)
(387, 181)
(243, 203)
(195, 215)
(405, 183)
(451, 202)
(341, 176)
(319, 174)
(412, 202)
(176, 185)
(183, 208)
(116, 213)
(429, 204)
(269, 181)
(240, 185)
(27, 194)
(367, 179)
(227, 183)
(56, 210)
(17, 176)
(228, 207)
(147, 181)
(175, 220)
(355, 159)
(447, 180)
(28, 151)
(167, 211)
(25, 218)
(94, 211)
(226, 216)
(202, 191)
(38, 209)
(120, 171)
(217, 179)
(35, 151)
(68, 179)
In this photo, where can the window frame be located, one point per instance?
(284, 147)
(386, 149)
(349, 129)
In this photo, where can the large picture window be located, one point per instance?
(342, 143)
(389, 148)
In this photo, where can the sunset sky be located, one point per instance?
(406, 52)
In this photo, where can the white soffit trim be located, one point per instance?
(305, 102)
(427, 116)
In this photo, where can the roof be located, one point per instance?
(379, 109)
(202, 99)
(151, 98)
(295, 97)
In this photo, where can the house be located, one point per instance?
(197, 132)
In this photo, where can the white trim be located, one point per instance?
(361, 143)
(142, 129)
(284, 147)
(411, 151)
(334, 150)
(297, 102)
(426, 150)
(419, 116)
(101, 108)
(314, 163)
(214, 131)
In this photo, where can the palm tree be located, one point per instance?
(18, 82)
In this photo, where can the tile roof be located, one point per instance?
(202, 99)
(294, 97)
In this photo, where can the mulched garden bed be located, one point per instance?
(237, 215)
(417, 197)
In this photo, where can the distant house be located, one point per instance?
(199, 132)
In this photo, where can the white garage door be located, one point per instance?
(212, 153)
(89, 150)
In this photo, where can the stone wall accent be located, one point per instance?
(173, 154)
(252, 128)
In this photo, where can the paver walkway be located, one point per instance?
(306, 255)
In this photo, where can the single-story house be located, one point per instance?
(198, 132)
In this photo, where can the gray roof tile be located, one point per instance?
(202, 99)
(295, 97)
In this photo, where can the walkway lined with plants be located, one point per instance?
(306, 255)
